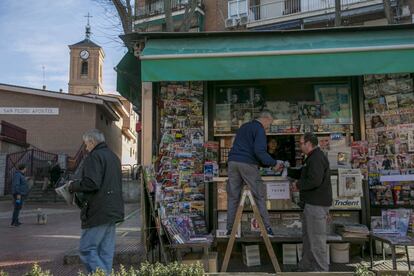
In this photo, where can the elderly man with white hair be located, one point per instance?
(248, 151)
(101, 203)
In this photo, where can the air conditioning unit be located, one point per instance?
(230, 22)
(405, 11)
(244, 20)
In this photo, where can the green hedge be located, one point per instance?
(146, 269)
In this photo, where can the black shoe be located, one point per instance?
(228, 234)
(18, 223)
(270, 232)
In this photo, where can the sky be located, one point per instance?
(36, 34)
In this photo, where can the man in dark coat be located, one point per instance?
(20, 190)
(316, 198)
(102, 205)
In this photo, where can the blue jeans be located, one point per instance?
(97, 246)
(16, 211)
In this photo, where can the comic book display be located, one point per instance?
(389, 117)
(181, 168)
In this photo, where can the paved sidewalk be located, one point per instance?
(48, 244)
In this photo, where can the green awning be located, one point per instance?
(279, 55)
(128, 80)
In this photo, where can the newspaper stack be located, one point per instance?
(352, 230)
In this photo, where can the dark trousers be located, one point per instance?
(240, 173)
(17, 208)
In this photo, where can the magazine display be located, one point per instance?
(390, 135)
(181, 164)
(394, 221)
(330, 112)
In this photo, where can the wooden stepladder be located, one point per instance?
(263, 231)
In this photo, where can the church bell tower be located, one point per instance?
(86, 65)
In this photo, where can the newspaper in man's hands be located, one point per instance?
(64, 192)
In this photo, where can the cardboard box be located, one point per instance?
(251, 255)
(222, 225)
(221, 196)
(289, 254)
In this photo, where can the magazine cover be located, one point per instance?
(406, 100)
(377, 121)
(388, 87)
(280, 110)
(371, 90)
(349, 183)
(392, 102)
(309, 111)
(335, 101)
(359, 149)
(211, 149)
(376, 223)
(404, 85)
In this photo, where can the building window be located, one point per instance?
(101, 117)
(130, 152)
(100, 72)
(237, 8)
(84, 68)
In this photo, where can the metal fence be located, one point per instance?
(37, 164)
(157, 7)
(280, 8)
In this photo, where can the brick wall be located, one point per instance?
(215, 14)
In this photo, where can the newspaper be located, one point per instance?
(64, 192)
(350, 183)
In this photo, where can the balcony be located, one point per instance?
(157, 8)
(270, 11)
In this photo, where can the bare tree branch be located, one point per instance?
(190, 9)
(125, 14)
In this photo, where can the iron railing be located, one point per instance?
(74, 162)
(37, 164)
(280, 8)
(157, 7)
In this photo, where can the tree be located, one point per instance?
(125, 12)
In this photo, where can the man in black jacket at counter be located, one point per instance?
(316, 196)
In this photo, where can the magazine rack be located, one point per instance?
(168, 245)
(393, 241)
(155, 218)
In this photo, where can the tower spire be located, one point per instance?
(88, 27)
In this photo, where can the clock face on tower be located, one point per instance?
(84, 54)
